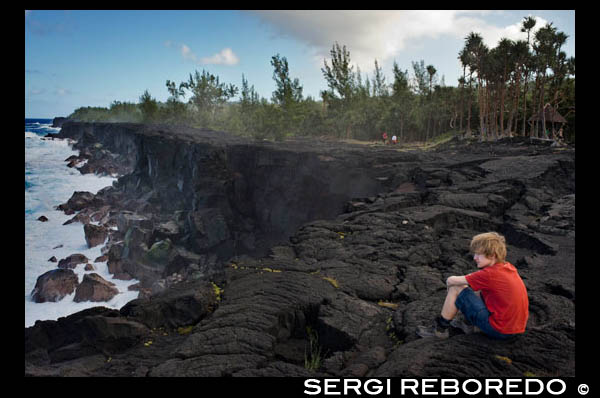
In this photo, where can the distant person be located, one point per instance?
(394, 139)
(502, 307)
(384, 137)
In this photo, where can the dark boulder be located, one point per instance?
(79, 201)
(58, 121)
(54, 285)
(79, 338)
(95, 288)
(182, 305)
(72, 261)
(94, 234)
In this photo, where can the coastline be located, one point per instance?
(49, 182)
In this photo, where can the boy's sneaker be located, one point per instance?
(435, 330)
(463, 325)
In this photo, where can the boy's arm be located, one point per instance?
(456, 281)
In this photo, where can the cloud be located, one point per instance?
(62, 92)
(225, 57)
(381, 35)
(36, 91)
(492, 34)
(187, 53)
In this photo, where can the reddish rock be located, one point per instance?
(95, 288)
(89, 267)
(94, 234)
(134, 288)
(54, 285)
(43, 218)
(101, 258)
(81, 217)
(73, 260)
(115, 266)
(78, 201)
(123, 276)
(101, 214)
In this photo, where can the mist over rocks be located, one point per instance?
(250, 253)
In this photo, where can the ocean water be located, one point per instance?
(48, 183)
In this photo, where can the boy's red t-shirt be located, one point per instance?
(504, 295)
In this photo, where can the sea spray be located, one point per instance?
(48, 183)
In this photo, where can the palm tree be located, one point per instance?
(431, 71)
(544, 47)
(478, 50)
(526, 26)
(506, 65)
(520, 53)
(466, 61)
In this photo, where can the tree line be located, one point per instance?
(500, 89)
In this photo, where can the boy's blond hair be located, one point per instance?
(490, 244)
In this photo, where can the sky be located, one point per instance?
(94, 57)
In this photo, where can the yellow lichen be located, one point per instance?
(184, 329)
(333, 282)
(505, 359)
(271, 270)
(218, 291)
(382, 303)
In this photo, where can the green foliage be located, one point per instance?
(207, 92)
(498, 92)
(313, 356)
(339, 76)
(90, 114)
(148, 107)
(288, 92)
(117, 112)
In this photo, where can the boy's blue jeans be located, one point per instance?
(475, 311)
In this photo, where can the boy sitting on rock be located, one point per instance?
(502, 307)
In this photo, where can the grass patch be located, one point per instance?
(313, 356)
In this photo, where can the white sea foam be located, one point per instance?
(49, 183)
